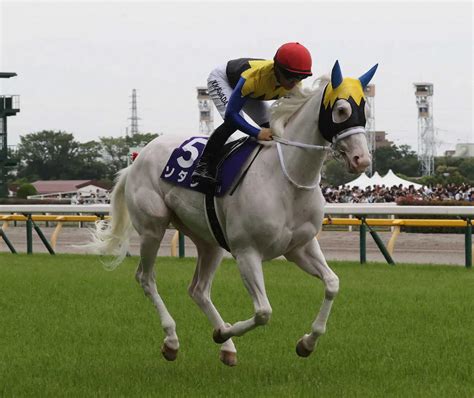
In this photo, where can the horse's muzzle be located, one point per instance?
(359, 163)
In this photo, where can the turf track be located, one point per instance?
(70, 328)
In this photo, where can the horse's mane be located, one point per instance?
(282, 109)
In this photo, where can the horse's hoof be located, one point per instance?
(301, 350)
(228, 358)
(218, 338)
(170, 354)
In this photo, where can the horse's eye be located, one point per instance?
(341, 111)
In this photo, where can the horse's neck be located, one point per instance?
(304, 165)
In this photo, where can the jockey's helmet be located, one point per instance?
(294, 60)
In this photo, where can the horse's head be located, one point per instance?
(342, 117)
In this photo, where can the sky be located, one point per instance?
(78, 61)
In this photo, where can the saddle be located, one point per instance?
(233, 156)
(184, 159)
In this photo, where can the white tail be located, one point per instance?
(112, 236)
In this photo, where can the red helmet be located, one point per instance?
(294, 58)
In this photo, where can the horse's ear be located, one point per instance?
(336, 75)
(367, 76)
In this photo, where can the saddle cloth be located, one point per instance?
(183, 161)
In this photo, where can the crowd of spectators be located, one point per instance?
(346, 194)
(383, 194)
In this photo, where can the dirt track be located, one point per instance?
(409, 248)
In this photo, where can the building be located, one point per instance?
(465, 150)
(449, 153)
(381, 140)
(82, 191)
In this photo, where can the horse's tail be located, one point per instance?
(113, 236)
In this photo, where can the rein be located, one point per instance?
(279, 141)
(285, 171)
(284, 141)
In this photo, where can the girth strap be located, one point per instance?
(213, 221)
(210, 206)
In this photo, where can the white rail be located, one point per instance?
(330, 208)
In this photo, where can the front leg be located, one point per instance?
(250, 267)
(311, 259)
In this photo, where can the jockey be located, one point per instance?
(243, 84)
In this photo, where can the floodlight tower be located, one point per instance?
(369, 92)
(9, 106)
(426, 133)
(206, 120)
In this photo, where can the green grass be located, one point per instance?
(69, 328)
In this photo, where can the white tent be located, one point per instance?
(362, 181)
(390, 179)
(376, 179)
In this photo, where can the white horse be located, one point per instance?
(276, 210)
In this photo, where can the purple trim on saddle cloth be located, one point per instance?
(183, 161)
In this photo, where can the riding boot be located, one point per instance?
(206, 169)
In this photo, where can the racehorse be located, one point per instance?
(277, 210)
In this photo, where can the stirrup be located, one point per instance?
(202, 175)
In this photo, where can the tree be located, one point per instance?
(401, 160)
(26, 190)
(335, 173)
(92, 165)
(48, 155)
(116, 150)
(455, 169)
(466, 167)
(140, 139)
(114, 153)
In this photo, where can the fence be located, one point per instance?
(70, 213)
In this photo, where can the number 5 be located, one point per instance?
(189, 147)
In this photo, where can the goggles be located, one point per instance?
(291, 76)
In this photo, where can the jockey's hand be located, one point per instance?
(265, 134)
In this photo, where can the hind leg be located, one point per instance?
(151, 218)
(148, 249)
(209, 258)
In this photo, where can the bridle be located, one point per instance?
(332, 147)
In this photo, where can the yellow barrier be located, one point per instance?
(395, 224)
(174, 244)
(380, 222)
(59, 219)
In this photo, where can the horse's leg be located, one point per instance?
(311, 259)
(148, 249)
(209, 258)
(250, 266)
